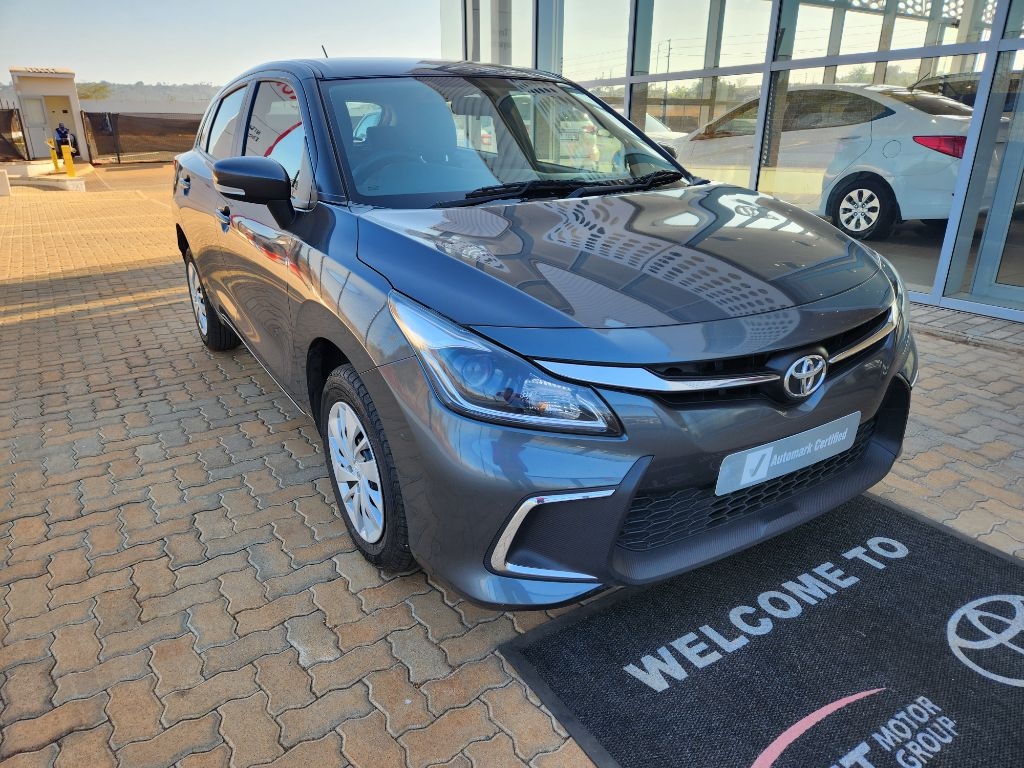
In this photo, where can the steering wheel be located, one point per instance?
(375, 163)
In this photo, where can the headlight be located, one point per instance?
(479, 379)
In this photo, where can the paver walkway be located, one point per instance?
(176, 587)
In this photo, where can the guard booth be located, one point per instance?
(46, 97)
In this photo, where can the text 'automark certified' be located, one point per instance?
(766, 462)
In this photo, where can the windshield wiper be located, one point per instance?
(575, 187)
(520, 189)
(647, 181)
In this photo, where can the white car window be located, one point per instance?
(740, 123)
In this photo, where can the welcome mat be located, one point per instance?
(868, 638)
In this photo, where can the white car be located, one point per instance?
(656, 129)
(865, 156)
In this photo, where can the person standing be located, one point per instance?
(63, 136)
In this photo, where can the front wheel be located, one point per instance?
(362, 471)
(864, 209)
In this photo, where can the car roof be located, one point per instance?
(853, 87)
(328, 69)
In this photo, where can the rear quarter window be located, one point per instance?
(931, 103)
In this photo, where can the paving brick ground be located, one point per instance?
(176, 587)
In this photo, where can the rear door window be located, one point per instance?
(809, 109)
(854, 108)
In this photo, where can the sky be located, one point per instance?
(206, 41)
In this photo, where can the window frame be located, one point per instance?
(307, 200)
(219, 103)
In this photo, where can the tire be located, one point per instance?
(362, 471)
(864, 209)
(216, 335)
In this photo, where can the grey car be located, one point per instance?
(535, 377)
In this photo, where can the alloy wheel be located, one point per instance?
(859, 209)
(198, 298)
(356, 472)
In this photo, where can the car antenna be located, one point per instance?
(918, 81)
(325, 51)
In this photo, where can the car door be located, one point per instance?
(261, 256)
(823, 132)
(202, 208)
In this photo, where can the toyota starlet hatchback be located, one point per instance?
(539, 365)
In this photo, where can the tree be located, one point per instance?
(859, 74)
(94, 90)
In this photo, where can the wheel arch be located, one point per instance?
(844, 183)
(323, 342)
(322, 356)
(183, 245)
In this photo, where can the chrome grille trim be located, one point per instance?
(645, 381)
(499, 556)
(887, 327)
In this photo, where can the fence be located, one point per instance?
(12, 140)
(127, 137)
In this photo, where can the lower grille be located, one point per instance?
(666, 517)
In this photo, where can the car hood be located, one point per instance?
(643, 260)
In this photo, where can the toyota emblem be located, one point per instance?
(804, 376)
(987, 635)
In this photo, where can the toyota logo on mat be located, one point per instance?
(804, 376)
(988, 634)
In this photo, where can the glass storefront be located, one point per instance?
(501, 32)
(855, 144)
(593, 45)
(988, 253)
(672, 36)
(897, 120)
(709, 121)
(813, 28)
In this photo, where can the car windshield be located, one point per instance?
(412, 142)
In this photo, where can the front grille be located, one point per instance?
(657, 519)
(752, 365)
(726, 366)
(757, 363)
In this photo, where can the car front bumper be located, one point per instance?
(515, 518)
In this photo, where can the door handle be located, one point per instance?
(223, 214)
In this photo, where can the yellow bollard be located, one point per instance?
(53, 155)
(69, 164)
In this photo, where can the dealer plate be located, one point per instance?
(771, 460)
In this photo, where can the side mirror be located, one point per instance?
(670, 150)
(258, 180)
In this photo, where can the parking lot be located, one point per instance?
(177, 587)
